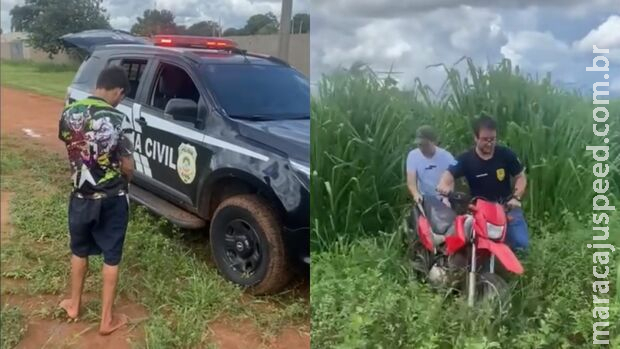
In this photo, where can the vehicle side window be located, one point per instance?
(134, 69)
(172, 82)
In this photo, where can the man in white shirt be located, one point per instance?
(426, 164)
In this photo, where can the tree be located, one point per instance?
(22, 17)
(204, 28)
(262, 24)
(233, 32)
(301, 23)
(155, 22)
(181, 29)
(268, 24)
(258, 24)
(47, 20)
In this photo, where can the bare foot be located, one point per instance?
(117, 321)
(72, 311)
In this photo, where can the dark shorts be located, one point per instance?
(98, 226)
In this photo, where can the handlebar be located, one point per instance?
(460, 197)
(457, 196)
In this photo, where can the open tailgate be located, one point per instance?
(88, 40)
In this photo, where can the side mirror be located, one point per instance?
(182, 109)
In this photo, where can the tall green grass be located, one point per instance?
(363, 128)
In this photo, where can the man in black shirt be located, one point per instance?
(488, 169)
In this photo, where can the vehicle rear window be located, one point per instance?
(88, 72)
(259, 91)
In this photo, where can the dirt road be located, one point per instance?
(34, 119)
(31, 116)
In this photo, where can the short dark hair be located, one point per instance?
(484, 121)
(426, 132)
(113, 77)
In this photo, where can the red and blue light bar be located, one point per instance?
(205, 42)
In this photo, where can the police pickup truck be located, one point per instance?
(221, 144)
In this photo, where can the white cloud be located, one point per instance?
(413, 35)
(583, 9)
(122, 22)
(411, 43)
(370, 43)
(390, 9)
(607, 35)
(534, 50)
(480, 26)
(229, 9)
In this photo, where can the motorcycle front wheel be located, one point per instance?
(492, 290)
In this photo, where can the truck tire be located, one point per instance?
(247, 244)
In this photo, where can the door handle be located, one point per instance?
(141, 120)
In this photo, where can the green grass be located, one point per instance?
(161, 268)
(362, 293)
(13, 326)
(363, 296)
(42, 78)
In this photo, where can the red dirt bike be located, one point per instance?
(459, 251)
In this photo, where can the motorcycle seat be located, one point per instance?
(440, 216)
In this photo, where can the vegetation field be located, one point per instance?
(362, 293)
(45, 79)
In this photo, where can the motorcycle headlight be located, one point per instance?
(494, 231)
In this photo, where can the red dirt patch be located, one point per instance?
(25, 110)
(57, 334)
(242, 334)
(42, 331)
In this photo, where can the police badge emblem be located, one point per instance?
(500, 174)
(186, 163)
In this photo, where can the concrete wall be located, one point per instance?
(14, 47)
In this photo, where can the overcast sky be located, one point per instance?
(411, 35)
(232, 13)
